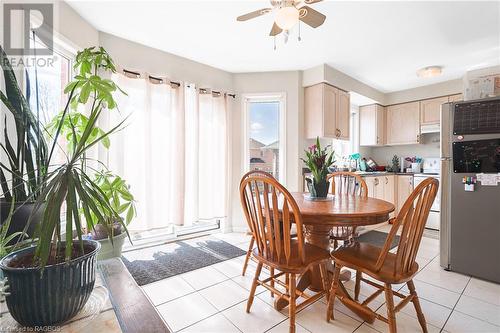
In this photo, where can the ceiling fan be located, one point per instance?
(288, 14)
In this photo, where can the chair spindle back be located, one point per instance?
(412, 216)
(348, 183)
(270, 210)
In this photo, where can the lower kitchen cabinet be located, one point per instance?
(404, 189)
(392, 188)
(381, 187)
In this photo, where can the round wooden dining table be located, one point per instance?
(319, 217)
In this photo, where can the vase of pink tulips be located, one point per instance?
(318, 160)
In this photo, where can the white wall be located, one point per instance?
(73, 28)
(428, 148)
(290, 83)
(134, 56)
(434, 90)
(325, 73)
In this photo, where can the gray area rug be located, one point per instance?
(163, 261)
(377, 238)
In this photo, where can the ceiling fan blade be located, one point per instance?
(311, 17)
(275, 30)
(308, 2)
(253, 14)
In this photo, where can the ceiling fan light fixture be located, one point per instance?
(430, 71)
(287, 17)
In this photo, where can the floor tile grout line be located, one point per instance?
(196, 290)
(453, 310)
(480, 299)
(428, 261)
(189, 293)
(206, 299)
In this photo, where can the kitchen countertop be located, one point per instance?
(306, 171)
(381, 173)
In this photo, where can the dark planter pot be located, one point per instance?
(54, 297)
(318, 189)
(22, 213)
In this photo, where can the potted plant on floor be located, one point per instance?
(109, 231)
(6, 238)
(106, 229)
(51, 281)
(24, 157)
(318, 160)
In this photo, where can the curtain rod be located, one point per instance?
(213, 92)
(160, 80)
(136, 75)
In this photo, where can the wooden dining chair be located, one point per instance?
(346, 183)
(270, 210)
(386, 267)
(252, 240)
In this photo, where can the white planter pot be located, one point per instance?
(109, 250)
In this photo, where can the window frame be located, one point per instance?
(265, 97)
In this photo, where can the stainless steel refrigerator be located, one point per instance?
(470, 220)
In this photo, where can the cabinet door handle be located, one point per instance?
(378, 139)
(375, 181)
(418, 138)
(386, 180)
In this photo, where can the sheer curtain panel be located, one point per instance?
(173, 152)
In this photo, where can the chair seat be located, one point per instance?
(313, 256)
(363, 257)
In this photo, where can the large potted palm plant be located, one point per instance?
(113, 186)
(51, 281)
(24, 157)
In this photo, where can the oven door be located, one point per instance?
(436, 205)
(433, 221)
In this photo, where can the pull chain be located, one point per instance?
(274, 43)
(299, 39)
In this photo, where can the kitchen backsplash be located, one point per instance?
(428, 148)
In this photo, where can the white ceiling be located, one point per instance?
(379, 43)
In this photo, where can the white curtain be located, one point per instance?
(206, 156)
(173, 152)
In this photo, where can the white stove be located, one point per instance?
(431, 168)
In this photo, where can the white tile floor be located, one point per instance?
(213, 299)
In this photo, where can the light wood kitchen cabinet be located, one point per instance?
(372, 125)
(381, 187)
(404, 184)
(403, 124)
(343, 114)
(430, 110)
(456, 98)
(327, 112)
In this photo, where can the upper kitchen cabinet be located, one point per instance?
(327, 112)
(403, 124)
(430, 110)
(371, 125)
(456, 98)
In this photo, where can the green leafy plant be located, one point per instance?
(395, 163)
(77, 122)
(28, 158)
(120, 198)
(6, 238)
(70, 185)
(318, 160)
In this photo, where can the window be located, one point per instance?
(46, 84)
(51, 80)
(264, 122)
